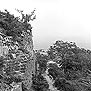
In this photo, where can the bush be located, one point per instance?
(39, 83)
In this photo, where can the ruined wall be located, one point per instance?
(16, 49)
(30, 66)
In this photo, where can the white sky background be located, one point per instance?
(67, 20)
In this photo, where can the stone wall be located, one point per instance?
(20, 57)
(16, 50)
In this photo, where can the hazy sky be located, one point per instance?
(67, 20)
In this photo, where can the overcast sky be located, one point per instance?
(67, 20)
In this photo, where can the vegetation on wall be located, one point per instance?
(14, 55)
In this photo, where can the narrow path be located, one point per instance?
(50, 82)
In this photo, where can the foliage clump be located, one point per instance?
(14, 26)
(40, 83)
(72, 65)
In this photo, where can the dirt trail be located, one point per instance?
(50, 82)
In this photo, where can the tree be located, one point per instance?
(41, 60)
(73, 62)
